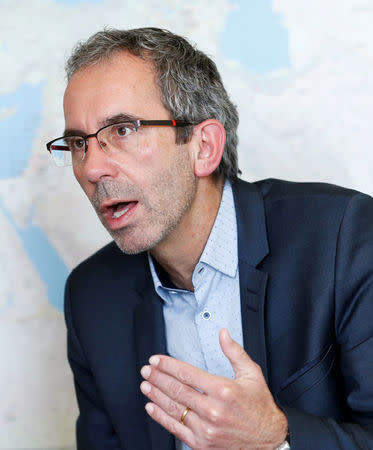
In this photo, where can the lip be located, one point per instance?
(106, 206)
(122, 221)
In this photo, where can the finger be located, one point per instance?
(241, 362)
(169, 406)
(178, 392)
(185, 373)
(181, 431)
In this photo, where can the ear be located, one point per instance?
(210, 136)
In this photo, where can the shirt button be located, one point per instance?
(201, 270)
(206, 315)
(173, 292)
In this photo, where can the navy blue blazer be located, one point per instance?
(306, 286)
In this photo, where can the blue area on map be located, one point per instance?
(255, 36)
(48, 263)
(17, 134)
(18, 131)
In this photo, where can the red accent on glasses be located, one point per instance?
(59, 147)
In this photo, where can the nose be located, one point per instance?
(96, 163)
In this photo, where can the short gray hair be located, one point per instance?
(190, 84)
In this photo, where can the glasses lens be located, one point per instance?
(118, 137)
(67, 150)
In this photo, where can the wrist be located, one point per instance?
(282, 434)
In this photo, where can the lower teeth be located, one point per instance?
(118, 214)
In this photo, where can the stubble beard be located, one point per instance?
(173, 193)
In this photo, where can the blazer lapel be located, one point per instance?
(150, 339)
(252, 249)
(252, 289)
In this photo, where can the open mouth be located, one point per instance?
(120, 209)
(116, 213)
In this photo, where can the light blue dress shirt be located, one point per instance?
(193, 319)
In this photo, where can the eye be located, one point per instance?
(122, 129)
(75, 143)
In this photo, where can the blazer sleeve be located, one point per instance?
(354, 335)
(94, 430)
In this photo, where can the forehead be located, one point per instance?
(121, 84)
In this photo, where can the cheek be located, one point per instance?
(147, 149)
(78, 175)
(156, 147)
(152, 159)
(83, 182)
(147, 156)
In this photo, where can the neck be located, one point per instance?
(179, 253)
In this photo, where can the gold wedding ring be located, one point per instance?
(182, 418)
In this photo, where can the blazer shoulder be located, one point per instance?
(108, 263)
(274, 190)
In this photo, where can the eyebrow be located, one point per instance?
(122, 117)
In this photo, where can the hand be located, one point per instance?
(224, 413)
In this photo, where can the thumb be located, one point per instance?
(240, 361)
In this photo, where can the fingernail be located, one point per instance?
(154, 360)
(146, 371)
(145, 387)
(149, 408)
(228, 336)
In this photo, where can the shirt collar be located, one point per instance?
(156, 280)
(220, 251)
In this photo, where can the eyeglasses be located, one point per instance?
(118, 137)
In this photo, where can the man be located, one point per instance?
(287, 268)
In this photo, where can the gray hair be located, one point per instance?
(190, 84)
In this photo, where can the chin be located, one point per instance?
(131, 250)
(130, 245)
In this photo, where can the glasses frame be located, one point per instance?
(136, 123)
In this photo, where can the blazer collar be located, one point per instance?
(252, 249)
(150, 339)
(251, 223)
